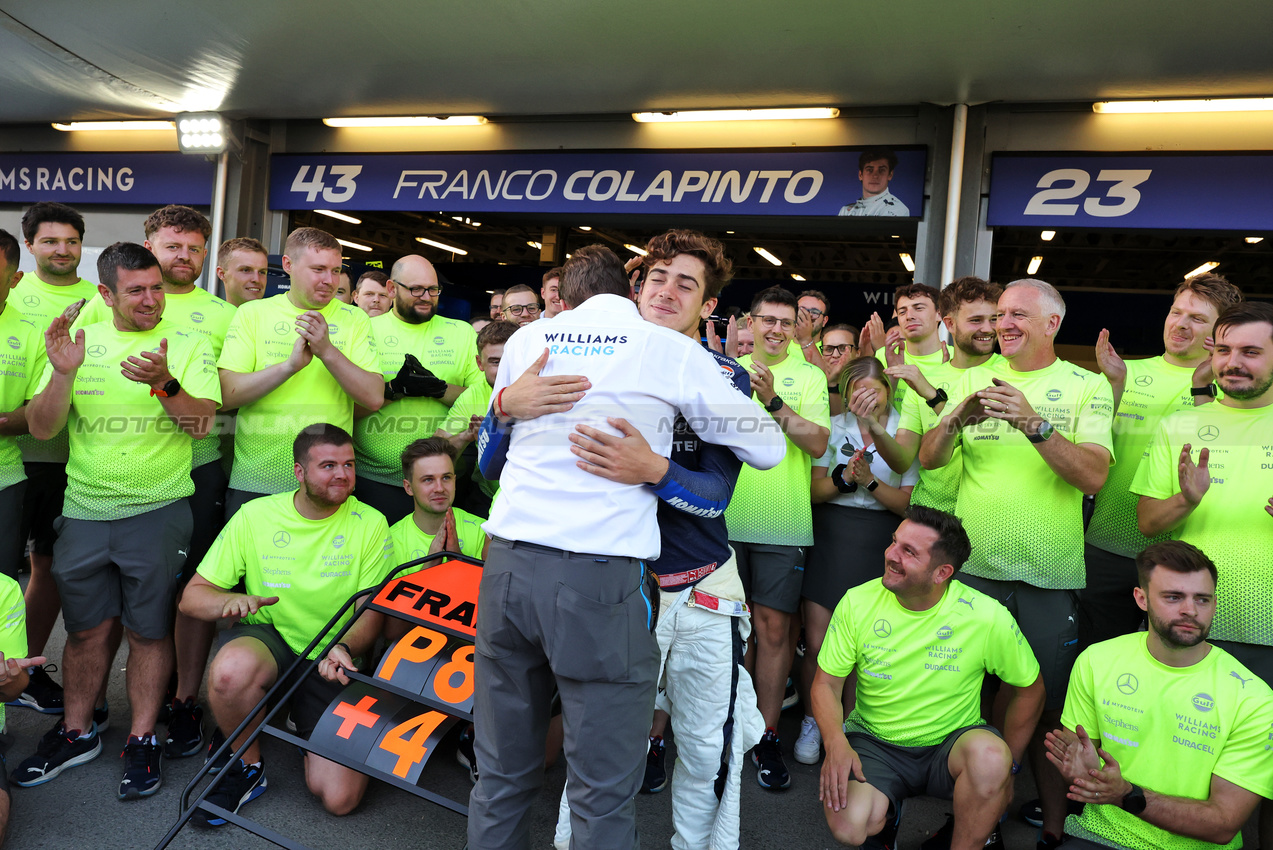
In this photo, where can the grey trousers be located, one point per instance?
(585, 623)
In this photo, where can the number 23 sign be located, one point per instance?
(1176, 191)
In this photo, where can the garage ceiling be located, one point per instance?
(83, 60)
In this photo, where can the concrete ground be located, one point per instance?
(79, 808)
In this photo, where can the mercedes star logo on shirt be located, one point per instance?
(282, 538)
(281, 328)
(882, 628)
(1208, 432)
(1127, 683)
(97, 351)
(1143, 380)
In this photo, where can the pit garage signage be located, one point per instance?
(800, 182)
(153, 179)
(1170, 191)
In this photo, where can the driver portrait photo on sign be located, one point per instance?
(875, 171)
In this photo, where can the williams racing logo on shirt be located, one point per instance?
(584, 344)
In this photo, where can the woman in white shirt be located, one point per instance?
(858, 504)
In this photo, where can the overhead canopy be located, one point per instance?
(84, 60)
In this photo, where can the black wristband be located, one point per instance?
(833, 389)
(345, 646)
(837, 478)
(937, 399)
(1208, 390)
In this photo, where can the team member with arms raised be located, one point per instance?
(1035, 433)
(178, 237)
(291, 360)
(915, 341)
(1164, 737)
(134, 392)
(427, 360)
(921, 642)
(299, 555)
(1145, 392)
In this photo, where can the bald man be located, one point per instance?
(427, 361)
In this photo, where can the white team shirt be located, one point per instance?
(641, 372)
(883, 204)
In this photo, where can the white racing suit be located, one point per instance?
(702, 634)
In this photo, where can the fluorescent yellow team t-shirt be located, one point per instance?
(128, 457)
(13, 628)
(920, 672)
(1024, 521)
(42, 303)
(474, 401)
(198, 310)
(937, 488)
(409, 542)
(446, 348)
(1230, 524)
(22, 360)
(1154, 389)
(1170, 729)
(773, 506)
(312, 566)
(262, 334)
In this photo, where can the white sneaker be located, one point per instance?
(808, 747)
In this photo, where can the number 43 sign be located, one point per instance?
(1152, 191)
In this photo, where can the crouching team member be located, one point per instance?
(1164, 736)
(703, 623)
(921, 642)
(428, 476)
(300, 555)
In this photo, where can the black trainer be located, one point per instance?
(142, 773)
(217, 738)
(41, 693)
(939, 840)
(58, 750)
(464, 753)
(185, 729)
(886, 838)
(771, 770)
(242, 784)
(655, 773)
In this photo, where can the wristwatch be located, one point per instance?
(870, 488)
(937, 399)
(1208, 390)
(1133, 801)
(1041, 435)
(168, 390)
(833, 389)
(774, 404)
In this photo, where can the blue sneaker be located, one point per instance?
(58, 750)
(142, 773)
